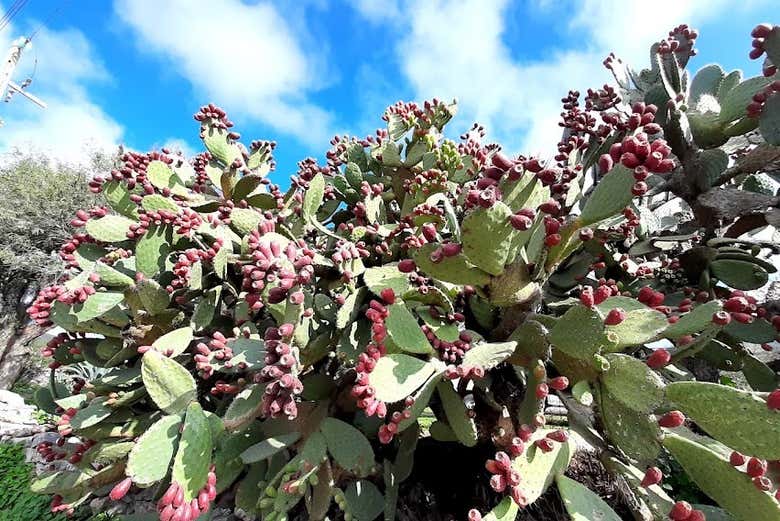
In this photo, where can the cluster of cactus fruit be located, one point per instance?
(264, 344)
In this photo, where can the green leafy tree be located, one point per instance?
(38, 198)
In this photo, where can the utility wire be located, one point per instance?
(15, 9)
(8, 11)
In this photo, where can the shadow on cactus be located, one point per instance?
(273, 349)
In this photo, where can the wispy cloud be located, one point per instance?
(456, 48)
(248, 58)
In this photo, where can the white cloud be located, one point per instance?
(64, 66)
(377, 10)
(455, 48)
(246, 58)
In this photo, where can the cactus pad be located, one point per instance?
(169, 384)
(149, 461)
(348, 446)
(193, 458)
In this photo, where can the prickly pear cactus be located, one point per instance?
(277, 345)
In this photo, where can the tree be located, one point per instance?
(38, 198)
(280, 346)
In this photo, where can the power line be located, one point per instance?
(52, 14)
(14, 6)
(12, 12)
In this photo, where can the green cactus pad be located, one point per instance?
(153, 297)
(312, 199)
(487, 237)
(732, 105)
(348, 446)
(217, 142)
(112, 277)
(455, 270)
(731, 488)
(387, 276)
(404, 331)
(488, 355)
(250, 486)
(58, 481)
(619, 301)
(398, 375)
(364, 500)
(106, 452)
(421, 399)
(706, 81)
(149, 461)
(633, 383)
(464, 427)
(220, 261)
(654, 496)
(769, 122)
(538, 468)
(96, 305)
(246, 185)
(92, 414)
(244, 220)
(579, 333)
(506, 510)
(111, 228)
(176, 341)
(155, 202)
(152, 250)
(244, 408)
(611, 195)
(204, 311)
(169, 384)
(760, 376)
(88, 254)
(193, 458)
(249, 351)
(161, 176)
(739, 274)
(635, 433)
(583, 393)
(694, 321)
(737, 418)
(581, 503)
(757, 332)
(640, 326)
(118, 198)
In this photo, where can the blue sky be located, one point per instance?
(298, 72)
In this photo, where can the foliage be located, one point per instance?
(282, 344)
(17, 503)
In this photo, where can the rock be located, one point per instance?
(17, 419)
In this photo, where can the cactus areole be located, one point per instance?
(286, 348)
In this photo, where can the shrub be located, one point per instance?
(282, 344)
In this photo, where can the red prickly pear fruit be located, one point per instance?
(615, 317)
(736, 304)
(407, 266)
(773, 400)
(166, 514)
(503, 461)
(451, 249)
(660, 358)
(519, 497)
(492, 467)
(586, 234)
(203, 500)
(671, 419)
(697, 515)
(544, 445)
(763, 483)
(120, 489)
(501, 161)
(587, 298)
(605, 163)
(721, 318)
(560, 436)
(167, 498)
(474, 515)
(681, 511)
(286, 330)
(601, 294)
(429, 231)
(737, 459)
(559, 383)
(761, 31)
(517, 446)
(653, 476)
(552, 240)
(498, 482)
(388, 295)
(542, 390)
(756, 467)
(743, 318)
